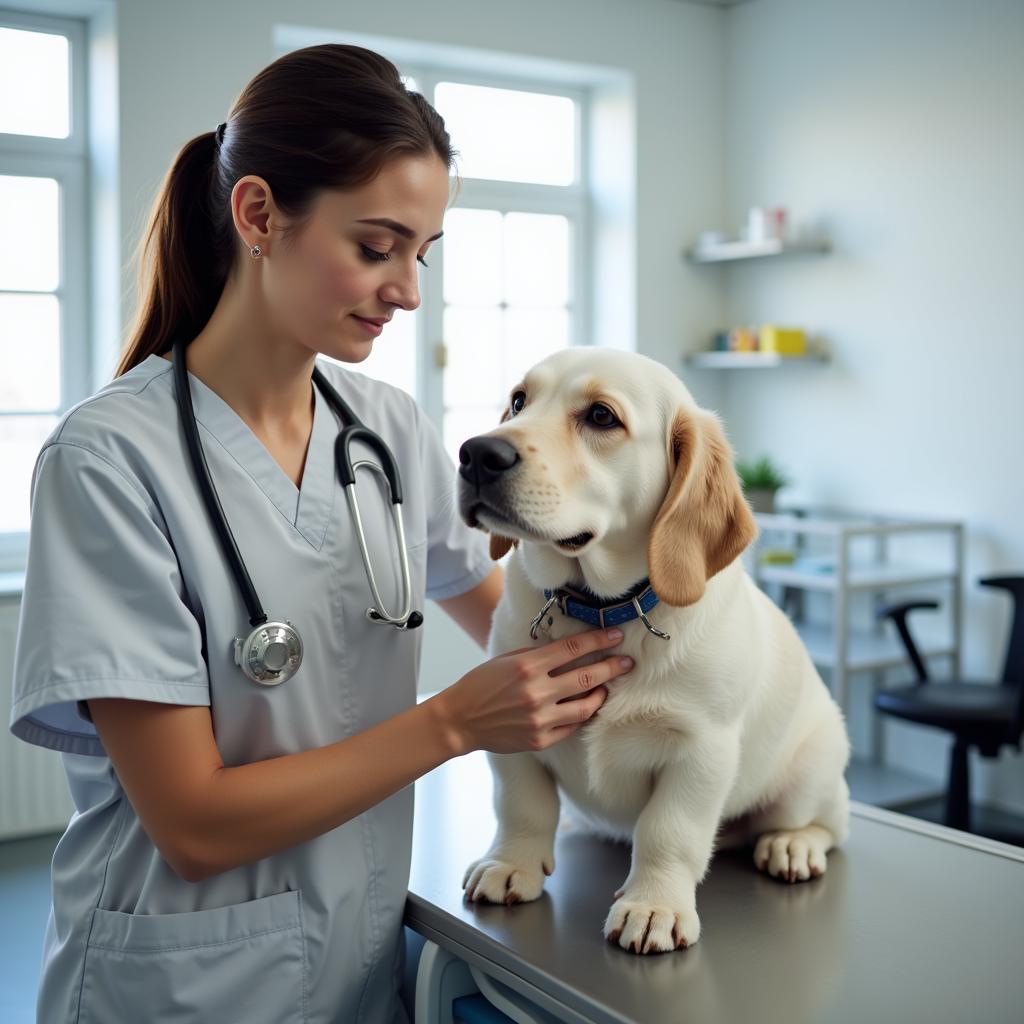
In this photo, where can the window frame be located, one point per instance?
(65, 160)
(571, 201)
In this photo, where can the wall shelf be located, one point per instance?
(751, 360)
(728, 252)
(731, 252)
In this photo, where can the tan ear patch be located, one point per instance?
(500, 546)
(704, 522)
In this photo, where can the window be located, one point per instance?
(43, 333)
(507, 283)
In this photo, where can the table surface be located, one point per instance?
(912, 922)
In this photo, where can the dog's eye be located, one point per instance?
(517, 403)
(601, 416)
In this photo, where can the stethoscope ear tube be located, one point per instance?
(210, 498)
(346, 469)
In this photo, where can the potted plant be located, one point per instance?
(761, 478)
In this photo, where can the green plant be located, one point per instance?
(761, 474)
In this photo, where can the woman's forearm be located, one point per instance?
(206, 818)
(255, 810)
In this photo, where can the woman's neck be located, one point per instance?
(266, 379)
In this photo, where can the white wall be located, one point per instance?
(900, 126)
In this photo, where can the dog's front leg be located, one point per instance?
(656, 909)
(523, 849)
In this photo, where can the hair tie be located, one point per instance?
(219, 133)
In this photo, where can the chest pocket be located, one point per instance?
(240, 964)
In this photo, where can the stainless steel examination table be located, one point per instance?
(912, 922)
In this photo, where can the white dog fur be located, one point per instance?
(723, 734)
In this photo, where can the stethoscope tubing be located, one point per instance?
(378, 613)
(215, 510)
(354, 430)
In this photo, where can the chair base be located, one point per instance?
(958, 808)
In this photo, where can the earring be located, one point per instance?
(255, 252)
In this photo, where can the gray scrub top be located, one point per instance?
(127, 595)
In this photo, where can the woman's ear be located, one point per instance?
(253, 209)
(704, 522)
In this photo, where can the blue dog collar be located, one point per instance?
(578, 606)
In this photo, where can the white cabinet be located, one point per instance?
(844, 555)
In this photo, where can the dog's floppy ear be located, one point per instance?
(704, 521)
(500, 546)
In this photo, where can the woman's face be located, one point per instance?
(356, 260)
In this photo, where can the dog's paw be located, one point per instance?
(794, 856)
(644, 927)
(495, 880)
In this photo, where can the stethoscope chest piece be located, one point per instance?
(270, 654)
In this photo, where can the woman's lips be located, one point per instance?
(370, 325)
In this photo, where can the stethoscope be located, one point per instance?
(272, 652)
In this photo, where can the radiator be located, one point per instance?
(33, 790)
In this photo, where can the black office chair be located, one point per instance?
(986, 716)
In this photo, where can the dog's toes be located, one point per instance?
(472, 878)
(790, 856)
(644, 928)
(497, 881)
(817, 862)
(679, 933)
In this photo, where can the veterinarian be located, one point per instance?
(241, 842)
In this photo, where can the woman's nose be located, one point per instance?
(403, 289)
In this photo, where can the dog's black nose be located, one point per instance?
(483, 459)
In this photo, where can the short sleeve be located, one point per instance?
(458, 557)
(103, 612)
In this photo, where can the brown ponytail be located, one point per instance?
(325, 117)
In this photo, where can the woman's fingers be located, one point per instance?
(578, 710)
(560, 652)
(581, 680)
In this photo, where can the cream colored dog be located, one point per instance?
(605, 473)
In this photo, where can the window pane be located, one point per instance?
(473, 339)
(530, 336)
(30, 213)
(472, 257)
(393, 358)
(21, 437)
(536, 259)
(30, 352)
(34, 94)
(507, 135)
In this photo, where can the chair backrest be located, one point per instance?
(1013, 668)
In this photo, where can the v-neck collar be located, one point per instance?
(308, 508)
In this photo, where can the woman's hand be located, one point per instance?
(520, 701)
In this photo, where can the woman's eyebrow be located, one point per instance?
(399, 229)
